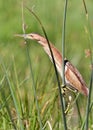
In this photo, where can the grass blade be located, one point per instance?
(34, 86)
(91, 61)
(88, 102)
(5, 104)
(63, 41)
(31, 72)
(13, 95)
(59, 86)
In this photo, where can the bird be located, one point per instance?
(73, 78)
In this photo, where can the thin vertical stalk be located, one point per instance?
(63, 41)
(83, 124)
(34, 86)
(91, 60)
(58, 81)
(17, 86)
(78, 110)
(88, 102)
(63, 53)
(32, 75)
(85, 7)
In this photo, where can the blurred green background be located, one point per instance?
(50, 12)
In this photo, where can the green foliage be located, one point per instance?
(17, 103)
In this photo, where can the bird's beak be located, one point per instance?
(25, 36)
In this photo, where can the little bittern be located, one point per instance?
(73, 77)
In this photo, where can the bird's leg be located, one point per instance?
(68, 107)
(63, 89)
(67, 97)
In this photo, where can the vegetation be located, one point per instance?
(18, 106)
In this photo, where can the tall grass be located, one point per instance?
(13, 95)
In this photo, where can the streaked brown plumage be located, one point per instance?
(72, 76)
